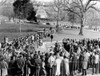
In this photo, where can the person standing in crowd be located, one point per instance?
(81, 57)
(51, 36)
(73, 63)
(96, 63)
(47, 63)
(51, 63)
(38, 64)
(57, 62)
(44, 30)
(32, 66)
(85, 62)
(28, 66)
(66, 63)
(11, 68)
(43, 70)
(32, 38)
(20, 63)
(93, 62)
(3, 66)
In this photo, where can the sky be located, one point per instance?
(37, 0)
(45, 0)
(98, 4)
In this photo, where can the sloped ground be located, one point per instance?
(12, 31)
(73, 34)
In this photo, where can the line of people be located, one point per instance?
(78, 58)
(10, 51)
(20, 58)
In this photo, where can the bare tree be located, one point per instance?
(82, 7)
(58, 8)
(8, 12)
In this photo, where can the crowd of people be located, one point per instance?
(20, 57)
(12, 51)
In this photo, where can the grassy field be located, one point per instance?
(73, 34)
(11, 30)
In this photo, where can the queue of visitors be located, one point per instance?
(15, 54)
(20, 57)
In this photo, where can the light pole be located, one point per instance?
(20, 28)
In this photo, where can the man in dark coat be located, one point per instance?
(11, 70)
(28, 65)
(51, 36)
(32, 68)
(19, 64)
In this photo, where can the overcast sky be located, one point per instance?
(45, 0)
(98, 4)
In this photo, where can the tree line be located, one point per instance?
(24, 9)
(75, 8)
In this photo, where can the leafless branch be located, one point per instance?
(92, 5)
(77, 5)
(95, 0)
(82, 5)
(68, 9)
(88, 2)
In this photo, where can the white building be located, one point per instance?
(41, 13)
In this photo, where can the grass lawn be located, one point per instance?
(11, 30)
(73, 34)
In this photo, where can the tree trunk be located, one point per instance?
(72, 24)
(81, 30)
(57, 26)
(82, 25)
(58, 18)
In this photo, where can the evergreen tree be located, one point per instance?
(23, 9)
